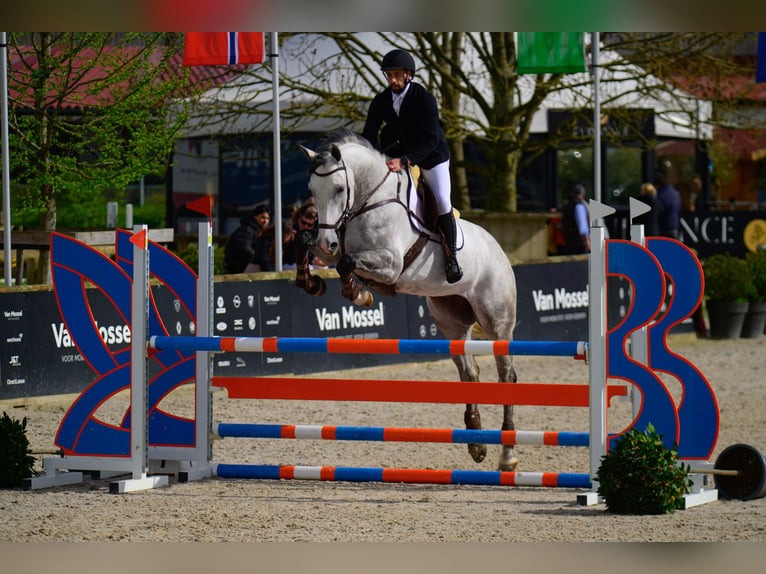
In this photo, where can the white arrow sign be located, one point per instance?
(638, 208)
(598, 210)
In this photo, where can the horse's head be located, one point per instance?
(345, 172)
(330, 187)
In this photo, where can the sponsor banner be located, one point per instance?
(39, 357)
(553, 301)
(253, 309)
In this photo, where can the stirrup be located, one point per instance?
(453, 271)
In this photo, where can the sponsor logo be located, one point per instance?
(559, 299)
(236, 301)
(15, 339)
(350, 317)
(221, 326)
(271, 299)
(274, 321)
(110, 334)
(15, 362)
(13, 314)
(223, 363)
(15, 381)
(274, 360)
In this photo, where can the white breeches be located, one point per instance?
(438, 180)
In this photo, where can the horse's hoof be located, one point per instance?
(364, 299)
(509, 465)
(477, 451)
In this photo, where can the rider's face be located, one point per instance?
(397, 79)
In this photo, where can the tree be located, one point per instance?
(333, 77)
(88, 114)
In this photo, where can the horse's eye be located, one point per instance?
(340, 189)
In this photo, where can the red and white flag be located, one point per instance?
(212, 48)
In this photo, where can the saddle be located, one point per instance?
(422, 206)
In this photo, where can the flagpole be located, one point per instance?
(274, 55)
(6, 162)
(596, 118)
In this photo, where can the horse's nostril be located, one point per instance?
(334, 245)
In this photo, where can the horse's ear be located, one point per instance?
(335, 151)
(307, 152)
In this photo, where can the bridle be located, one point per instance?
(347, 215)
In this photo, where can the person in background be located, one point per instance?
(247, 250)
(574, 222)
(670, 200)
(412, 134)
(651, 219)
(304, 219)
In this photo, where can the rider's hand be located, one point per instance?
(396, 164)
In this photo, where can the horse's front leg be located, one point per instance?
(312, 284)
(379, 265)
(349, 286)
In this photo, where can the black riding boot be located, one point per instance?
(448, 228)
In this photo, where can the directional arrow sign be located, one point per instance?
(638, 208)
(598, 210)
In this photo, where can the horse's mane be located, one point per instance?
(337, 137)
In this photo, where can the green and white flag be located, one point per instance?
(550, 52)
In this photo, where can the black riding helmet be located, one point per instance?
(398, 60)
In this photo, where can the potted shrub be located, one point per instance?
(16, 460)
(728, 290)
(639, 475)
(755, 319)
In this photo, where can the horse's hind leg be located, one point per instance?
(499, 326)
(508, 461)
(455, 318)
(469, 371)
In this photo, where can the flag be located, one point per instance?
(139, 239)
(760, 70)
(211, 48)
(201, 205)
(550, 52)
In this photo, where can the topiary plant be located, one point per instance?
(640, 475)
(756, 264)
(16, 460)
(727, 278)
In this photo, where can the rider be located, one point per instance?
(412, 134)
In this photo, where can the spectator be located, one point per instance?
(304, 219)
(670, 199)
(247, 250)
(651, 219)
(574, 222)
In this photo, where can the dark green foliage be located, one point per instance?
(189, 256)
(756, 264)
(728, 278)
(16, 460)
(641, 476)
